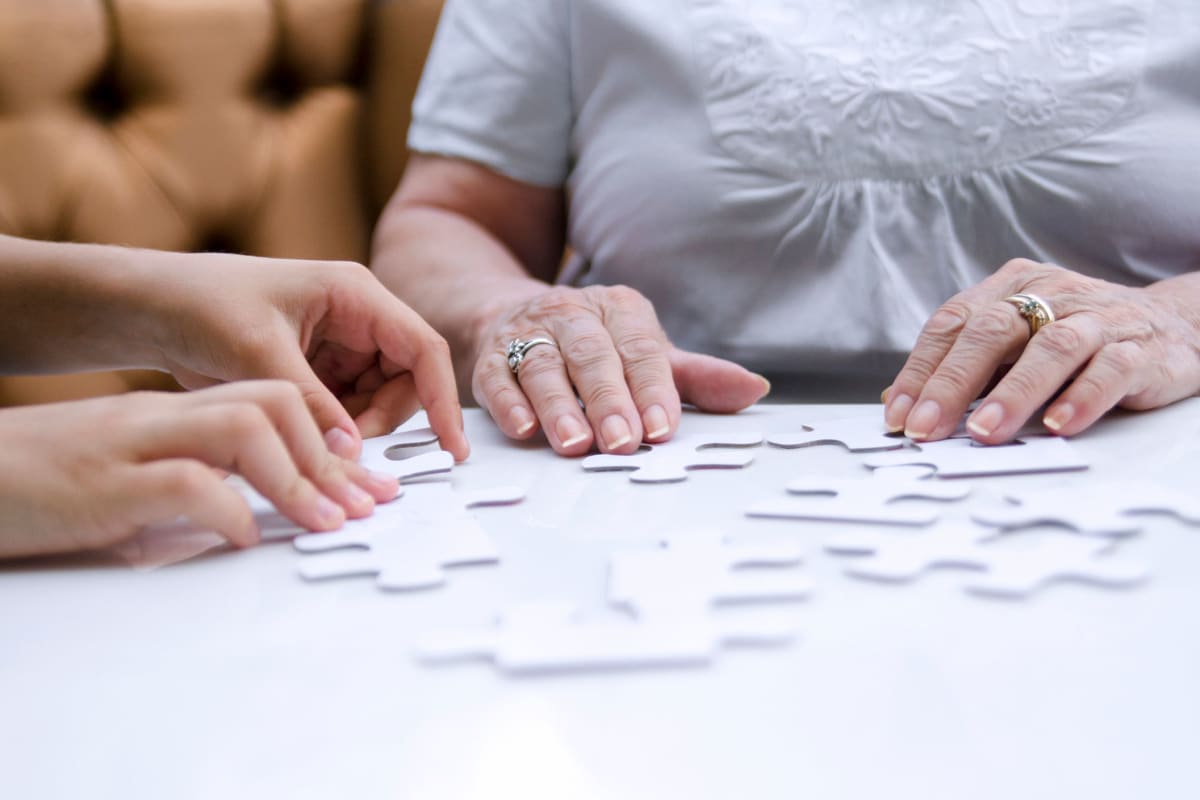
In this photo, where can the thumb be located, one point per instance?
(714, 384)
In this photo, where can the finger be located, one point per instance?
(1115, 372)
(544, 379)
(1049, 360)
(715, 385)
(407, 340)
(239, 436)
(340, 479)
(495, 389)
(391, 404)
(595, 369)
(993, 335)
(642, 348)
(160, 492)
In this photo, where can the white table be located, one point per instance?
(227, 676)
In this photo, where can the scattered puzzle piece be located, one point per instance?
(554, 638)
(408, 542)
(873, 499)
(856, 434)
(386, 453)
(668, 591)
(1102, 509)
(669, 462)
(962, 458)
(1003, 572)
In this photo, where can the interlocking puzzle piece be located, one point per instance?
(1005, 572)
(1102, 509)
(962, 458)
(874, 499)
(407, 542)
(689, 572)
(856, 434)
(554, 638)
(387, 453)
(670, 461)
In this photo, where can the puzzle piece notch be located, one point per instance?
(1002, 572)
(856, 434)
(410, 544)
(390, 454)
(1104, 509)
(964, 458)
(689, 572)
(529, 639)
(874, 499)
(670, 462)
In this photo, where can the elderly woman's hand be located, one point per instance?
(607, 375)
(1108, 345)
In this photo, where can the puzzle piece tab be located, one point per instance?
(1103, 509)
(962, 458)
(873, 499)
(856, 434)
(407, 543)
(389, 454)
(669, 462)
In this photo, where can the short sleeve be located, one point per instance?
(497, 88)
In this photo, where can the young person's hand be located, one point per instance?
(93, 473)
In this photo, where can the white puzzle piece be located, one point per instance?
(407, 543)
(1103, 509)
(1002, 572)
(387, 453)
(963, 458)
(669, 462)
(669, 591)
(554, 638)
(873, 499)
(856, 434)
(688, 572)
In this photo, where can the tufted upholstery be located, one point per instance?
(270, 127)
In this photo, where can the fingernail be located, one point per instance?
(766, 387)
(569, 431)
(340, 443)
(656, 422)
(883, 396)
(383, 482)
(615, 432)
(986, 419)
(357, 497)
(1057, 417)
(521, 420)
(329, 512)
(923, 420)
(897, 412)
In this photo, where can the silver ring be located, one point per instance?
(518, 348)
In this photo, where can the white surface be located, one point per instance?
(228, 676)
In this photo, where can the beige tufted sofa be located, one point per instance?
(269, 127)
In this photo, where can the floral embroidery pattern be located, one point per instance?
(911, 88)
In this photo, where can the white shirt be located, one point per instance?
(798, 184)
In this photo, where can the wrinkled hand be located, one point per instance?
(330, 328)
(613, 356)
(1110, 345)
(92, 473)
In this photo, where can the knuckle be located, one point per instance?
(588, 349)
(951, 378)
(947, 322)
(187, 479)
(1063, 342)
(1022, 384)
(991, 325)
(245, 420)
(638, 349)
(1119, 357)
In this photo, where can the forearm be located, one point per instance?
(451, 271)
(68, 307)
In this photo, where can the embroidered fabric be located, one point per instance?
(860, 88)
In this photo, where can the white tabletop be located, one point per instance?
(228, 676)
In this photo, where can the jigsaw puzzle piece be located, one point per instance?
(875, 499)
(377, 455)
(1106, 509)
(962, 458)
(1063, 557)
(670, 462)
(552, 638)
(856, 434)
(903, 557)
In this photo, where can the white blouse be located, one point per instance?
(798, 185)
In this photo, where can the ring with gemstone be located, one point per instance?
(518, 348)
(1034, 309)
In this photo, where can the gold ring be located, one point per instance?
(1034, 309)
